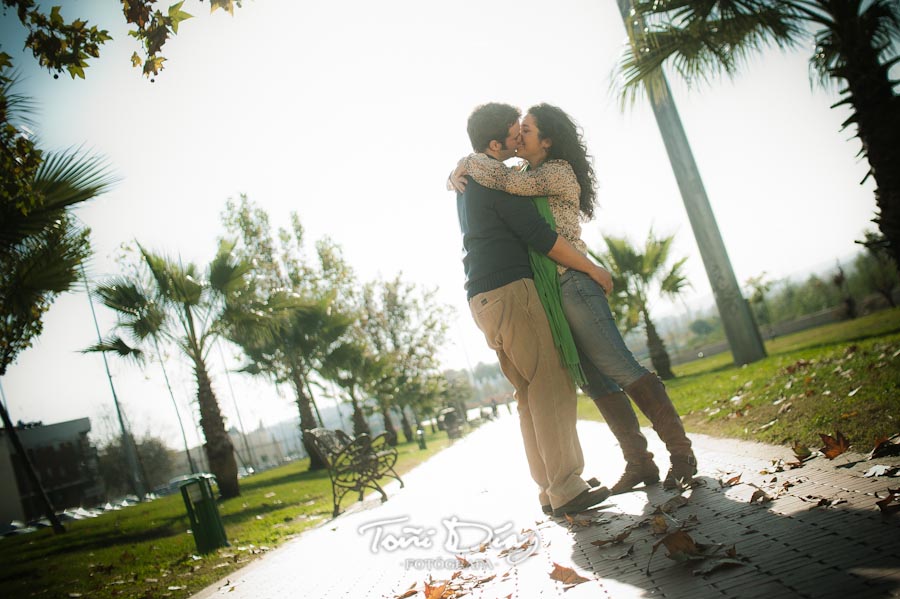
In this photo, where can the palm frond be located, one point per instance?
(20, 108)
(700, 39)
(117, 345)
(46, 263)
(63, 180)
(122, 295)
(226, 271)
(674, 282)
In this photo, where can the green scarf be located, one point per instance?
(546, 281)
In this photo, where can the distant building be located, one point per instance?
(66, 464)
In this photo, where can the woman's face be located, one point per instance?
(531, 147)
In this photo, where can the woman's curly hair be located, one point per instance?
(568, 145)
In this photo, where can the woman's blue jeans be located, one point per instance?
(608, 364)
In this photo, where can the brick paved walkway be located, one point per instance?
(787, 547)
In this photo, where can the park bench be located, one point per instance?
(354, 464)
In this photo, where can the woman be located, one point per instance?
(559, 168)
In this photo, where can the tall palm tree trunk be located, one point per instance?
(33, 480)
(219, 449)
(877, 116)
(659, 357)
(307, 422)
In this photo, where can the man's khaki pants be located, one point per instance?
(515, 326)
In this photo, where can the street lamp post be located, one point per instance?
(128, 445)
(740, 328)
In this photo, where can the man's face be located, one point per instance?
(511, 143)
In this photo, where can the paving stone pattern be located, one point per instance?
(479, 488)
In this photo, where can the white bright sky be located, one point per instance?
(352, 113)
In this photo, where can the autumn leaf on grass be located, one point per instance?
(567, 576)
(891, 503)
(834, 446)
(613, 541)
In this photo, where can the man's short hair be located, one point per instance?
(489, 122)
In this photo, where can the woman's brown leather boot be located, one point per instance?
(639, 466)
(649, 393)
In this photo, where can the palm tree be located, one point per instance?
(855, 45)
(302, 333)
(142, 319)
(355, 369)
(638, 275)
(189, 308)
(42, 248)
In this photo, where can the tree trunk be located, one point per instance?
(659, 357)
(407, 428)
(360, 426)
(33, 479)
(307, 422)
(219, 450)
(877, 116)
(389, 427)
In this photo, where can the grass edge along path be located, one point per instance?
(842, 376)
(145, 551)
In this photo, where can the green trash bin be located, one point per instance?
(209, 534)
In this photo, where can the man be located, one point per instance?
(497, 229)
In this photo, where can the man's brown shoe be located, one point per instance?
(584, 501)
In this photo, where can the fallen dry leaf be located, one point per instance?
(884, 448)
(613, 541)
(566, 575)
(435, 592)
(672, 504)
(716, 564)
(776, 466)
(463, 562)
(801, 451)
(681, 547)
(890, 504)
(626, 553)
(658, 524)
(577, 523)
(834, 446)
(732, 481)
(760, 496)
(882, 470)
(412, 590)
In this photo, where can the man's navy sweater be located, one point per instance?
(497, 229)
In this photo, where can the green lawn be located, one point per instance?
(843, 376)
(146, 552)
